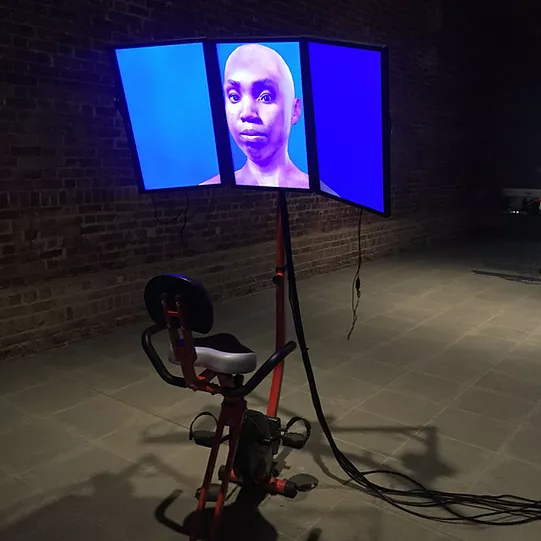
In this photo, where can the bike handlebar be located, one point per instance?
(266, 368)
(155, 359)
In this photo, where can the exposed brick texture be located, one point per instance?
(77, 242)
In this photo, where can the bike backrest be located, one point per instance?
(196, 303)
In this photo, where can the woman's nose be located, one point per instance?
(249, 111)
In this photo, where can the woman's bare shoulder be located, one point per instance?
(214, 180)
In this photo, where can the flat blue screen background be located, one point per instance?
(290, 52)
(168, 101)
(346, 86)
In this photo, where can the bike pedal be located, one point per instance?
(294, 441)
(213, 492)
(305, 482)
(204, 438)
(201, 436)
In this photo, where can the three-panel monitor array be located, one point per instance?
(300, 114)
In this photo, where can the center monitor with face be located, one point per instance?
(263, 96)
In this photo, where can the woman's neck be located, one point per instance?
(273, 173)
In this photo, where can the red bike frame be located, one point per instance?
(233, 409)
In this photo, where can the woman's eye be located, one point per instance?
(233, 97)
(265, 97)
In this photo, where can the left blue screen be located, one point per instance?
(167, 95)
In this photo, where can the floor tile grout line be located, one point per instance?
(503, 445)
(98, 392)
(57, 375)
(102, 527)
(326, 513)
(90, 442)
(445, 407)
(63, 456)
(112, 395)
(435, 416)
(474, 381)
(49, 522)
(486, 389)
(387, 508)
(400, 335)
(492, 371)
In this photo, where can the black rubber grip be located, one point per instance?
(264, 370)
(152, 354)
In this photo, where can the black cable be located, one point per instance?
(184, 212)
(356, 284)
(185, 248)
(502, 510)
(166, 222)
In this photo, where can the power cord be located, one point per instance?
(184, 213)
(356, 285)
(165, 222)
(502, 510)
(185, 248)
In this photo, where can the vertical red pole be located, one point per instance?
(279, 282)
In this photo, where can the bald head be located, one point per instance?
(250, 57)
(260, 100)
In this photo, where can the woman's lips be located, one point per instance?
(252, 136)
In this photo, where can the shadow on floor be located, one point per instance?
(520, 278)
(242, 520)
(425, 467)
(110, 501)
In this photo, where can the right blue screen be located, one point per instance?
(347, 96)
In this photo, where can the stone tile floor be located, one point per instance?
(441, 380)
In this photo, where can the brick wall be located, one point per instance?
(77, 242)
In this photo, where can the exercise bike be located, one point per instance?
(217, 364)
